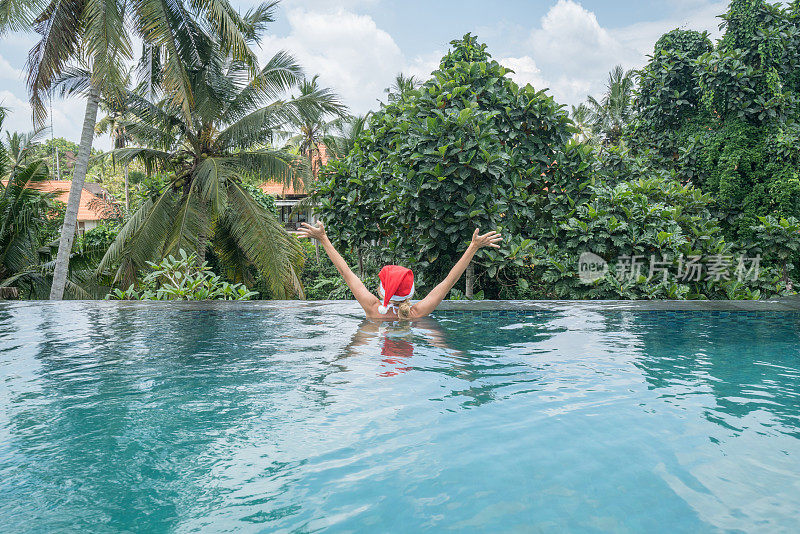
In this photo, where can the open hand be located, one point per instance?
(489, 239)
(312, 232)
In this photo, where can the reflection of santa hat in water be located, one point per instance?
(397, 285)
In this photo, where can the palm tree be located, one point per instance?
(23, 208)
(115, 107)
(341, 139)
(94, 33)
(582, 117)
(234, 120)
(313, 123)
(614, 112)
(401, 87)
(19, 146)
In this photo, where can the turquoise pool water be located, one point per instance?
(291, 418)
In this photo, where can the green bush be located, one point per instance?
(470, 148)
(656, 220)
(182, 278)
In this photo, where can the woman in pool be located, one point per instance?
(397, 283)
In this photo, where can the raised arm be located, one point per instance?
(363, 295)
(437, 295)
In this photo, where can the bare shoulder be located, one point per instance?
(373, 313)
(417, 313)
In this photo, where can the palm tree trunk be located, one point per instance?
(127, 204)
(75, 190)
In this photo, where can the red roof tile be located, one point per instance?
(277, 189)
(93, 206)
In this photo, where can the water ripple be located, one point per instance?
(298, 418)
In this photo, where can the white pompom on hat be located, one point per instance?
(397, 285)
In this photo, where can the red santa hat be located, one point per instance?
(397, 285)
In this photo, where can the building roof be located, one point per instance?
(96, 203)
(279, 190)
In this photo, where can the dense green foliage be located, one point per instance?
(182, 278)
(726, 117)
(467, 149)
(440, 161)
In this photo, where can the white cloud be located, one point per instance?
(571, 53)
(7, 72)
(18, 117)
(349, 52)
(700, 16)
(575, 52)
(525, 71)
(422, 66)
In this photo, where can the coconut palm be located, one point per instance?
(401, 87)
(113, 123)
(313, 123)
(341, 139)
(19, 146)
(581, 116)
(234, 120)
(614, 111)
(23, 208)
(98, 34)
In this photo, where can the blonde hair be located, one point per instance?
(403, 308)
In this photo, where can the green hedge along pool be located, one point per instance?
(252, 417)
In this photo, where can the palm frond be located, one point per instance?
(256, 127)
(274, 166)
(266, 244)
(165, 25)
(190, 225)
(210, 178)
(256, 20)
(151, 159)
(281, 73)
(59, 26)
(230, 29)
(18, 15)
(140, 239)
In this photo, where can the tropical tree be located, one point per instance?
(233, 121)
(470, 149)
(401, 88)
(23, 208)
(612, 114)
(581, 116)
(341, 139)
(312, 123)
(94, 34)
(725, 117)
(20, 147)
(113, 101)
(113, 123)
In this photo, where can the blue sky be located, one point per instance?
(357, 46)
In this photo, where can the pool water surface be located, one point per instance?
(124, 417)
